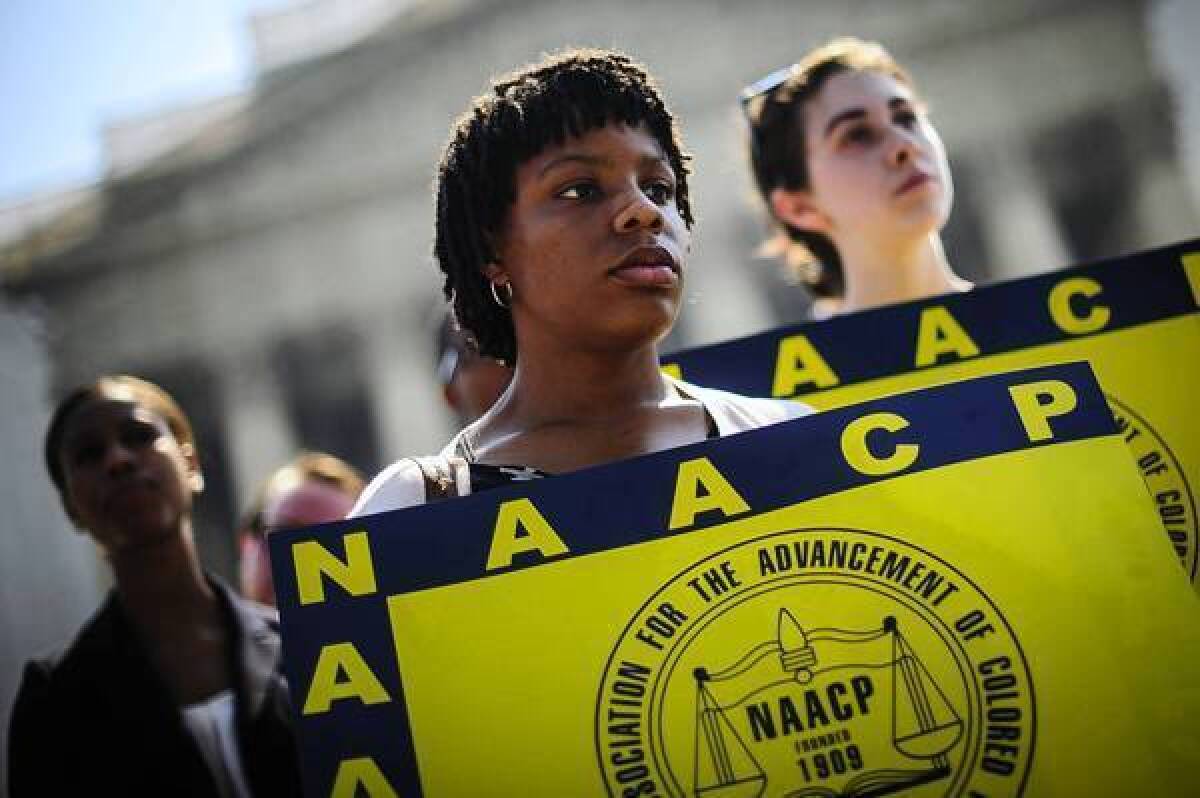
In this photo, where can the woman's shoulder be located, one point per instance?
(733, 412)
(79, 658)
(414, 480)
(60, 693)
(402, 484)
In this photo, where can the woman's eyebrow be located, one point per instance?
(574, 157)
(78, 440)
(844, 116)
(895, 103)
(603, 161)
(654, 160)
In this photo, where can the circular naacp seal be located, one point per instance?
(1166, 482)
(816, 663)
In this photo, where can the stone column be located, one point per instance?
(403, 389)
(50, 576)
(1019, 226)
(723, 298)
(1172, 30)
(259, 437)
(1165, 210)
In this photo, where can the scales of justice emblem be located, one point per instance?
(825, 693)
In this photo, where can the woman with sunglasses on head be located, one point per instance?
(854, 176)
(311, 488)
(174, 686)
(563, 223)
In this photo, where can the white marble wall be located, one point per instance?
(1174, 28)
(325, 214)
(50, 579)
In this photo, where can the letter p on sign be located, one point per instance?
(1038, 402)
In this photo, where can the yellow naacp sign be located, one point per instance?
(1134, 318)
(953, 592)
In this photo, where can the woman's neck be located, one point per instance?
(581, 387)
(162, 584)
(877, 276)
(176, 615)
(585, 408)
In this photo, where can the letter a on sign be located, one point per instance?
(507, 540)
(361, 772)
(798, 364)
(695, 476)
(941, 334)
(360, 682)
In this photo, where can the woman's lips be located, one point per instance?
(645, 275)
(916, 181)
(130, 493)
(647, 266)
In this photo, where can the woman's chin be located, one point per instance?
(636, 334)
(140, 535)
(922, 214)
(917, 226)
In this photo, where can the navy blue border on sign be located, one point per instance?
(609, 507)
(1003, 317)
(959, 421)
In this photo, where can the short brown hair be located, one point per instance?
(142, 391)
(305, 467)
(317, 467)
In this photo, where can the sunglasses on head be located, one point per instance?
(763, 87)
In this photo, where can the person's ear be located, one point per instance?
(195, 477)
(795, 208)
(451, 396)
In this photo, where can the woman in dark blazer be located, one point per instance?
(174, 687)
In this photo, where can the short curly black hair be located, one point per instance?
(562, 96)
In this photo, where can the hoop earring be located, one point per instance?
(496, 294)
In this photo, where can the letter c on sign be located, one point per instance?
(1097, 316)
(859, 456)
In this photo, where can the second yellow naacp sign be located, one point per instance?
(1134, 318)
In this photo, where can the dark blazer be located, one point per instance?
(96, 719)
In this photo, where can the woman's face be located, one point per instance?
(594, 244)
(877, 168)
(128, 480)
(303, 504)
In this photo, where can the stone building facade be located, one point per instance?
(50, 576)
(273, 269)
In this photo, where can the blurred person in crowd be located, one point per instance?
(174, 687)
(311, 489)
(471, 383)
(854, 177)
(562, 231)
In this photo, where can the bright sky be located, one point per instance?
(69, 66)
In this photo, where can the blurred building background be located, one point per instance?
(49, 581)
(266, 256)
